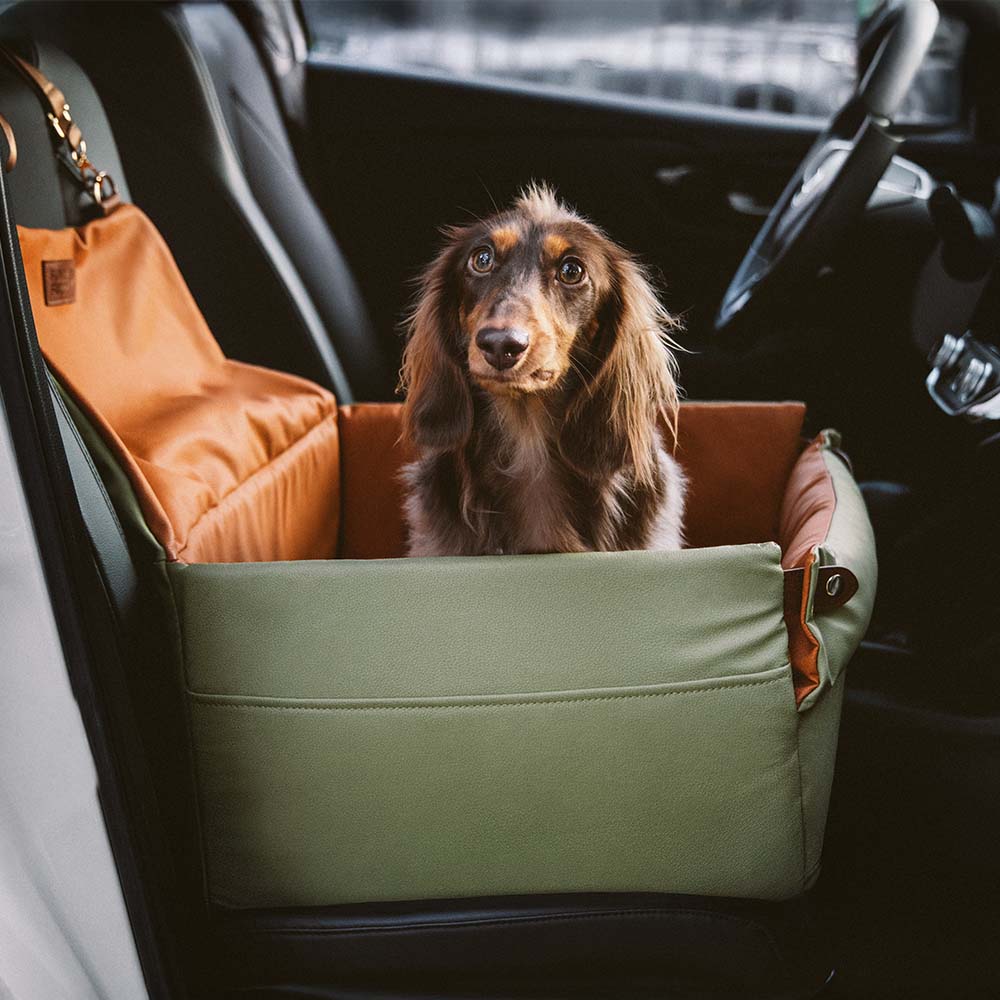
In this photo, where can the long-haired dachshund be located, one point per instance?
(540, 390)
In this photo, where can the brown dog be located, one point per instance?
(540, 384)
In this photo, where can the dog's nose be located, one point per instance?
(502, 346)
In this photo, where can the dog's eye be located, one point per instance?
(571, 271)
(481, 260)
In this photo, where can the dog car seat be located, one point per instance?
(368, 728)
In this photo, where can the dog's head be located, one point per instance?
(538, 301)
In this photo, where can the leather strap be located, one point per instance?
(834, 588)
(58, 107)
(10, 161)
(70, 146)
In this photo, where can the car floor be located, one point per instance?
(908, 895)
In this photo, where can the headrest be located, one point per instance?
(43, 195)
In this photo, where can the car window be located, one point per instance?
(790, 56)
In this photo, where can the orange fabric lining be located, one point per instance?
(738, 457)
(803, 647)
(806, 515)
(229, 462)
(372, 455)
(808, 506)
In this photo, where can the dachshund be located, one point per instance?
(541, 393)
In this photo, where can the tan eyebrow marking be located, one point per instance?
(555, 245)
(504, 239)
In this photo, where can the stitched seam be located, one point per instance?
(338, 333)
(329, 417)
(220, 701)
(260, 128)
(334, 372)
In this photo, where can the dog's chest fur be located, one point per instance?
(510, 492)
(529, 478)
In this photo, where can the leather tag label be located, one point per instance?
(59, 281)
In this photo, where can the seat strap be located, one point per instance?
(69, 145)
(835, 586)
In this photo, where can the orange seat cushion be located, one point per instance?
(229, 462)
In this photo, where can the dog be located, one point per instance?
(541, 393)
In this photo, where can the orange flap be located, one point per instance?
(230, 462)
(806, 514)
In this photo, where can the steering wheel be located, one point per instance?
(833, 183)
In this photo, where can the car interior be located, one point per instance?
(253, 202)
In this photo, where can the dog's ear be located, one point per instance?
(438, 411)
(629, 385)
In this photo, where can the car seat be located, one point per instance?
(349, 803)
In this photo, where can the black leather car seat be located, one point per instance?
(209, 158)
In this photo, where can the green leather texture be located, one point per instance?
(422, 728)
(680, 787)
(399, 628)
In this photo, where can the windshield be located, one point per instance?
(786, 56)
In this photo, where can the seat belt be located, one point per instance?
(70, 146)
